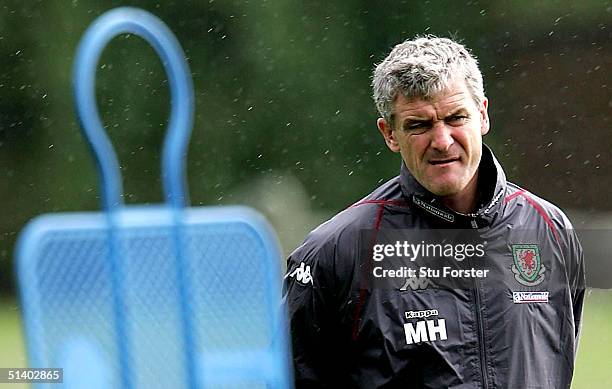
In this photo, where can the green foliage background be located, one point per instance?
(284, 118)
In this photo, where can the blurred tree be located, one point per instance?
(283, 96)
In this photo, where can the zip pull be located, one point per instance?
(474, 224)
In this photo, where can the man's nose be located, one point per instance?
(441, 136)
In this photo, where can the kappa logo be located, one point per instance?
(302, 274)
(416, 283)
(421, 314)
(528, 268)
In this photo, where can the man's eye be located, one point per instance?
(457, 119)
(417, 126)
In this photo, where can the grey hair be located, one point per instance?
(421, 68)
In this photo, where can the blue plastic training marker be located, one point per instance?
(163, 296)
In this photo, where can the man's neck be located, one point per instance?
(466, 200)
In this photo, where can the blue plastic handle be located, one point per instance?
(141, 23)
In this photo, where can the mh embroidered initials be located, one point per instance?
(425, 330)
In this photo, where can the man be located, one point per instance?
(515, 328)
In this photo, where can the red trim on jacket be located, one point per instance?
(538, 209)
(381, 202)
(362, 290)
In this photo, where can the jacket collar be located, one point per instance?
(491, 187)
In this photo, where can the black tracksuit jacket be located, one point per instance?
(348, 333)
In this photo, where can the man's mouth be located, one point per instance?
(443, 161)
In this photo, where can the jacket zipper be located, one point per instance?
(481, 339)
(479, 328)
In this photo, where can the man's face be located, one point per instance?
(440, 139)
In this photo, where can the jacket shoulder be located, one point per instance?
(338, 240)
(338, 232)
(551, 213)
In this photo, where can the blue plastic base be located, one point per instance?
(156, 304)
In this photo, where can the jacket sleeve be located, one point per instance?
(310, 298)
(574, 264)
(577, 281)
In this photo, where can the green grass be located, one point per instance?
(593, 368)
(12, 348)
(594, 364)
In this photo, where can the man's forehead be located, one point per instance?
(438, 104)
(451, 98)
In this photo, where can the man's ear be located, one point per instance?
(485, 124)
(386, 131)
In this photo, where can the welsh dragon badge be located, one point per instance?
(528, 268)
